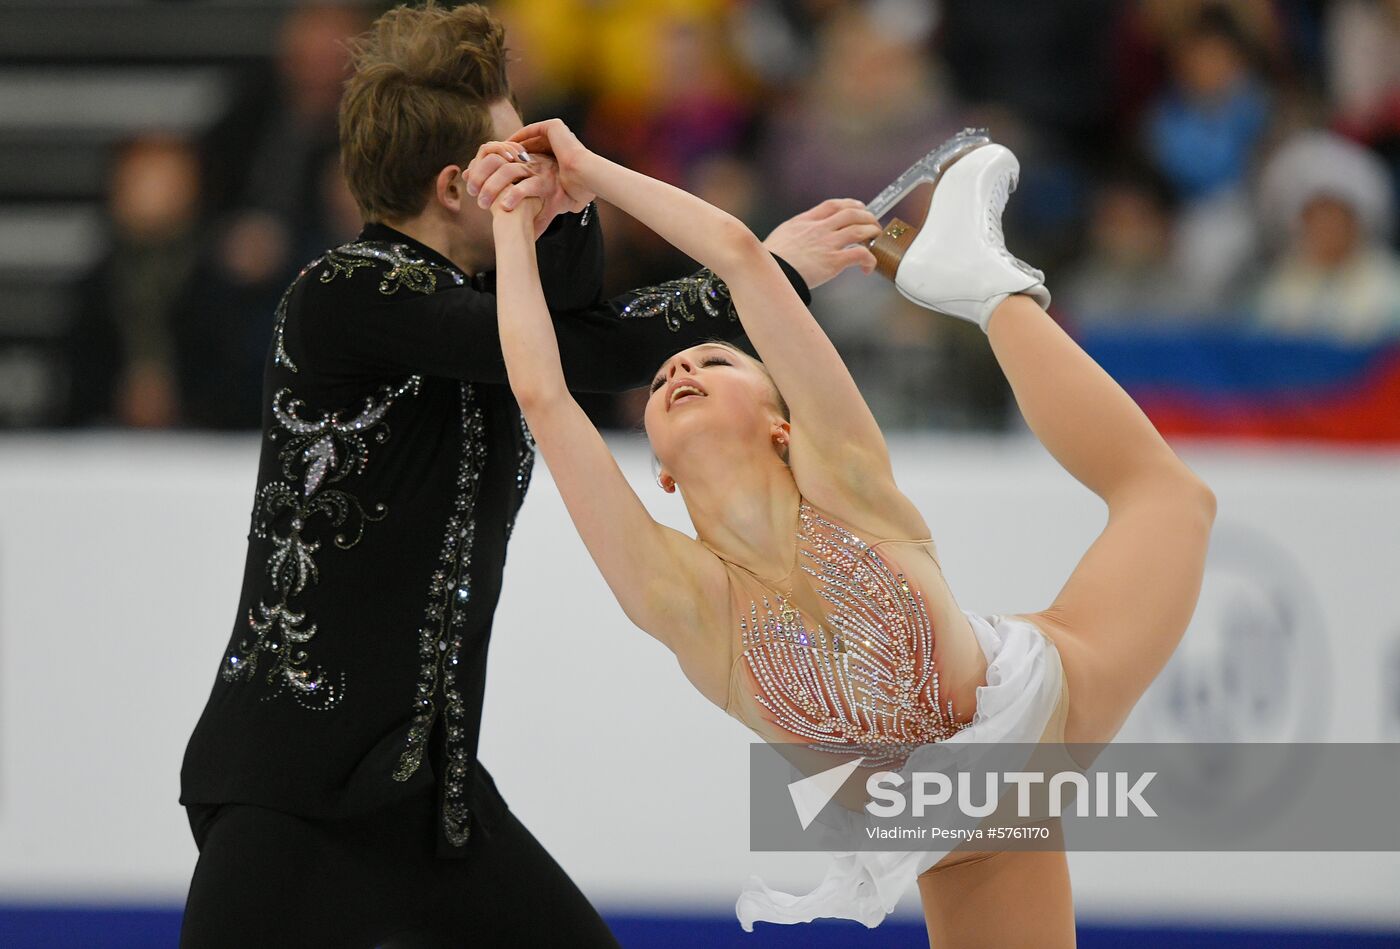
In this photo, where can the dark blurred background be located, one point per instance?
(1205, 183)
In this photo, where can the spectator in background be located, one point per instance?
(131, 352)
(1203, 134)
(655, 84)
(1128, 276)
(1336, 277)
(1145, 31)
(777, 39)
(282, 204)
(668, 113)
(663, 89)
(548, 52)
(695, 103)
(1363, 46)
(295, 206)
(874, 104)
(232, 309)
(1035, 74)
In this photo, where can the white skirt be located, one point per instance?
(1024, 685)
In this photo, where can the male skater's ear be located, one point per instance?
(449, 189)
(821, 242)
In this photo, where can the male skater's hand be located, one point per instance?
(505, 171)
(553, 137)
(822, 242)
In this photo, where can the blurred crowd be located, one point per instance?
(1184, 163)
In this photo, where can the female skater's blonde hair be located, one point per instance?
(424, 80)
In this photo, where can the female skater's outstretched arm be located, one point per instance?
(837, 453)
(666, 583)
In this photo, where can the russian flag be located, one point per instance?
(1249, 384)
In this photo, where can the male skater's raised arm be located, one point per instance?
(416, 292)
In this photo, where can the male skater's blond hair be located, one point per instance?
(424, 79)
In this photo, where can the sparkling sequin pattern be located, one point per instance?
(316, 454)
(677, 300)
(862, 682)
(400, 268)
(524, 467)
(440, 638)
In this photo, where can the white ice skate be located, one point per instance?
(957, 262)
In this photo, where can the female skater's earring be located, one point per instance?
(666, 484)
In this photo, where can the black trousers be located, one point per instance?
(270, 879)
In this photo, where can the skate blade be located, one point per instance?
(929, 168)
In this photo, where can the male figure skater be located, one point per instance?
(332, 782)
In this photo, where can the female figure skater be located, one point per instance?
(811, 605)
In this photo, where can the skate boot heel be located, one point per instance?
(897, 237)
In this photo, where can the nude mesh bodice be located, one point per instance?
(839, 654)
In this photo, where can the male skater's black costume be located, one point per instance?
(334, 766)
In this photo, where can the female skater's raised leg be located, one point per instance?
(1127, 604)
(1115, 623)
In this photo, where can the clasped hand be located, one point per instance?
(534, 168)
(544, 160)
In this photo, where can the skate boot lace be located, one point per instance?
(1001, 192)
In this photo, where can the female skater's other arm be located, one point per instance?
(666, 582)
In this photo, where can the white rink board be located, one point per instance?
(120, 560)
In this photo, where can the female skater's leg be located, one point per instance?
(999, 900)
(1127, 604)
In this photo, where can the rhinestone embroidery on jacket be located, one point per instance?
(317, 453)
(405, 269)
(523, 470)
(440, 638)
(677, 300)
(866, 685)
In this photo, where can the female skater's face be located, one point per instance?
(710, 388)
